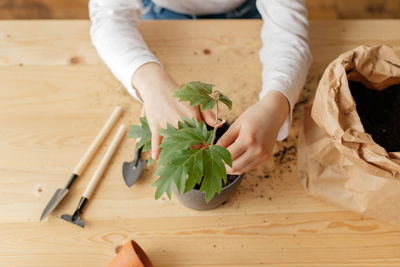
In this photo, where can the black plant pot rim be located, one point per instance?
(233, 182)
(225, 187)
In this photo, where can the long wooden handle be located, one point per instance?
(104, 162)
(97, 141)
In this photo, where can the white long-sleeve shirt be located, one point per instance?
(285, 53)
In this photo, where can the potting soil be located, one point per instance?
(379, 112)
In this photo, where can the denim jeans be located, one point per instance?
(247, 10)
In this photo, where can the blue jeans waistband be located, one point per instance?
(247, 10)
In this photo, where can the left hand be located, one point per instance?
(251, 138)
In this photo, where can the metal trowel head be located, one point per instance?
(54, 201)
(131, 171)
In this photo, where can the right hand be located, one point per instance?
(156, 86)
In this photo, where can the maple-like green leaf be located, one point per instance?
(185, 137)
(192, 160)
(224, 99)
(143, 132)
(203, 166)
(166, 155)
(223, 153)
(170, 176)
(178, 141)
(173, 144)
(214, 170)
(193, 123)
(197, 93)
(190, 132)
(189, 167)
(185, 165)
(170, 130)
(185, 122)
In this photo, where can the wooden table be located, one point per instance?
(55, 94)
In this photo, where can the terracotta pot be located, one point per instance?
(194, 199)
(131, 255)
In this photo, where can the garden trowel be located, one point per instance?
(131, 171)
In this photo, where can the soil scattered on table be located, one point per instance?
(287, 154)
(379, 112)
(271, 180)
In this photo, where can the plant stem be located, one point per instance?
(215, 127)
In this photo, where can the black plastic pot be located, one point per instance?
(194, 199)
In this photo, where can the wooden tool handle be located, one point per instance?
(97, 141)
(104, 162)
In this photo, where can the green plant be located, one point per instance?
(188, 154)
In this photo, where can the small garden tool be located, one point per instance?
(62, 192)
(75, 218)
(132, 170)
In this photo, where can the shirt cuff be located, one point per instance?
(126, 77)
(284, 130)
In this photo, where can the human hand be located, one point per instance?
(251, 138)
(156, 86)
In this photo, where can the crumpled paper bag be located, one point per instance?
(337, 160)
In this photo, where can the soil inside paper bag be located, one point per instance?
(379, 112)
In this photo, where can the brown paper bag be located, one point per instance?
(338, 161)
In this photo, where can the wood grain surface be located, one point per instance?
(55, 95)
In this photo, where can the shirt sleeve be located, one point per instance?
(285, 54)
(117, 39)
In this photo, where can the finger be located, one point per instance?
(155, 145)
(238, 163)
(244, 162)
(253, 165)
(197, 115)
(229, 171)
(229, 136)
(236, 149)
(208, 117)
